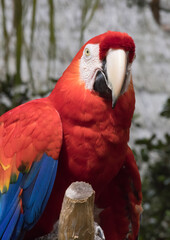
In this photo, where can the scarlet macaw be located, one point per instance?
(79, 132)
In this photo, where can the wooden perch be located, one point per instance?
(76, 218)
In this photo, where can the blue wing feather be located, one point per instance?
(12, 223)
(29, 178)
(20, 213)
(8, 204)
(19, 233)
(40, 191)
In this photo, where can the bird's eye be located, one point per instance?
(87, 52)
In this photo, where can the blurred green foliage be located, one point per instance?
(155, 223)
(139, 3)
(21, 46)
(13, 96)
(166, 110)
(9, 87)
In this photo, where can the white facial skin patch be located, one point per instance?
(90, 64)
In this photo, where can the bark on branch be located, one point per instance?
(76, 217)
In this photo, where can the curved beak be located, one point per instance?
(116, 64)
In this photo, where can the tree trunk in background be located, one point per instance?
(155, 7)
(19, 38)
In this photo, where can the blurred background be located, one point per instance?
(38, 40)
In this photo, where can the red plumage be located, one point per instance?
(94, 147)
(122, 41)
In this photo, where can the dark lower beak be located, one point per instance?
(111, 78)
(100, 85)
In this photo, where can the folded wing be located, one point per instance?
(30, 142)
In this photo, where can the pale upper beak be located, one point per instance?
(116, 65)
(111, 81)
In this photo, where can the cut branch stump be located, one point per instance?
(76, 218)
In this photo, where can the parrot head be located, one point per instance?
(105, 64)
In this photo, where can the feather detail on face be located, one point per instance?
(105, 64)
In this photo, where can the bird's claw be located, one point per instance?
(99, 234)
